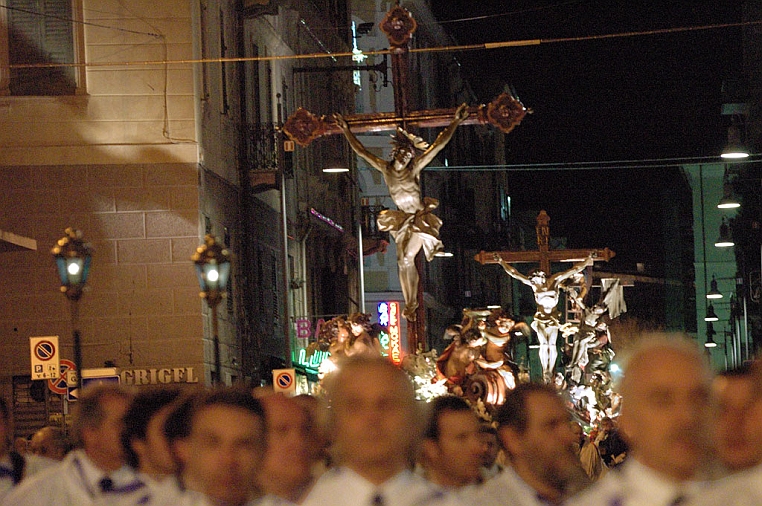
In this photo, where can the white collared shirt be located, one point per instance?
(507, 489)
(33, 464)
(344, 487)
(74, 481)
(634, 484)
(743, 488)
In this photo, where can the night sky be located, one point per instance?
(628, 99)
(645, 96)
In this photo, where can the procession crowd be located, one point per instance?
(684, 436)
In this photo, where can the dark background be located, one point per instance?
(617, 114)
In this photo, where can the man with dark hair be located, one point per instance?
(612, 447)
(286, 474)
(738, 429)
(218, 437)
(94, 470)
(738, 437)
(11, 463)
(223, 452)
(451, 455)
(533, 427)
(490, 466)
(143, 439)
(14, 466)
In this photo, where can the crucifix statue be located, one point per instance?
(412, 224)
(546, 286)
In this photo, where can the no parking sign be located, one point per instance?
(44, 357)
(284, 380)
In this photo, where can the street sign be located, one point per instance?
(60, 385)
(44, 357)
(93, 377)
(284, 380)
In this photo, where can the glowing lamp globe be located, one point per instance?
(212, 262)
(73, 257)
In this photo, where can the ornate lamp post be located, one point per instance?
(212, 261)
(73, 257)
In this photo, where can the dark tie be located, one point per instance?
(378, 500)
(106, 484)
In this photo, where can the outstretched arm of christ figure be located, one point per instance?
(512, 271)
(556, 279)
(461, 113)
(357, 146)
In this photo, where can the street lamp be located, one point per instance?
(73, 256)
(711, 316)
(710, 333)
(714, 292)
(725, 240)
(212, 262)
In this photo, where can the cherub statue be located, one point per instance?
(456, 362)
(361, 340)
(546, 318)
(498, 330)
(412, 224)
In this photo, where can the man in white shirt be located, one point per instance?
(376, 426)
(49, 442)
(534, 429)
(223, 452)
(451, 456)
(13, 466)
(738, 429)
(491, 466)
(97, 468)
(738, 438)
(146, 447)
(286, 474)
(665, 417)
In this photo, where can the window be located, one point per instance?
(41, 31)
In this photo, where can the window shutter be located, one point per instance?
(41, 31)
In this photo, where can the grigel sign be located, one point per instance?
(158, 376)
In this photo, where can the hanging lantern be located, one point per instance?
(73, 258)
(212, 263)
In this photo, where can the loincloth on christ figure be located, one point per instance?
(402, 225)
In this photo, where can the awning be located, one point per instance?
(13, 242)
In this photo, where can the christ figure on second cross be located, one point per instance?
(546, 294)
(412, 224)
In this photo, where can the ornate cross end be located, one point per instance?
(398, 25)
(303, 127)
(505, 112)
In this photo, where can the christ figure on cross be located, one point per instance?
(546, 319)
(412, 224)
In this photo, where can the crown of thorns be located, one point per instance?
(402, 138)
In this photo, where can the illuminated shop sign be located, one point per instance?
(313, 362)
(389, 317)
(303, 331)
(325, 219)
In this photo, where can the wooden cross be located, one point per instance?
(544, 255)
(505, 113)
